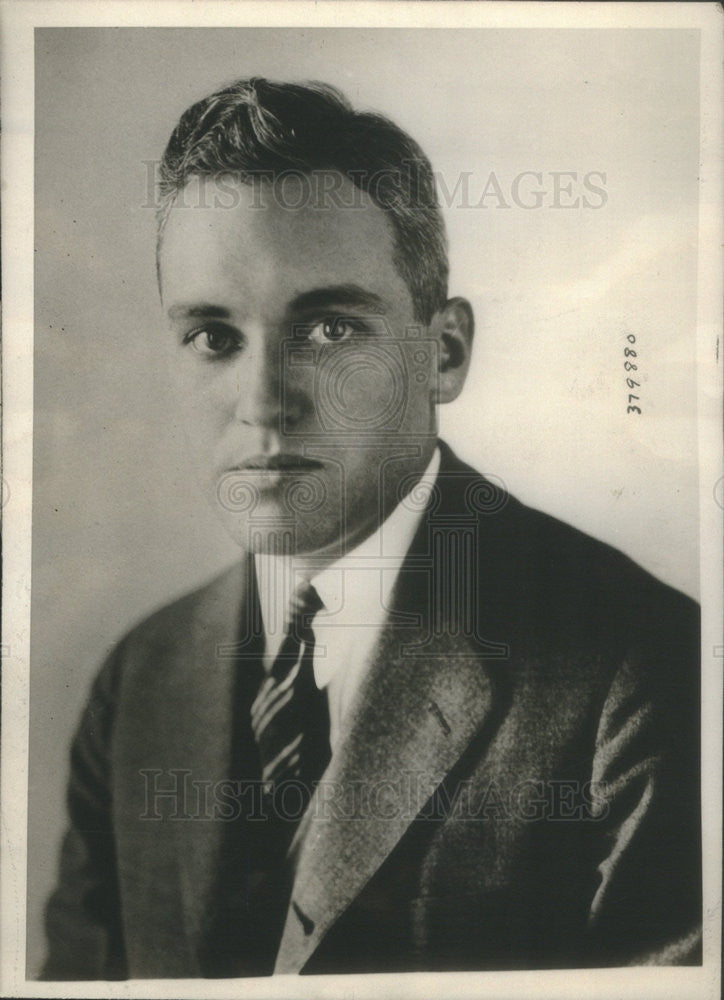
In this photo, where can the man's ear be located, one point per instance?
(453, 326)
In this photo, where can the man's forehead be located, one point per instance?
(224, 228)
(325, 202)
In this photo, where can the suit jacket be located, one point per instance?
(518, 786)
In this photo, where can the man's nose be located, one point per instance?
(263, 398)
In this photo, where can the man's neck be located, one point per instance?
(308, 564)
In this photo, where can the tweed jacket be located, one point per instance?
(518, 786)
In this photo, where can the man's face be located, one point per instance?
(305, 383)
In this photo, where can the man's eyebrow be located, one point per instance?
(350, 296)
(200, 310)
(345, 296)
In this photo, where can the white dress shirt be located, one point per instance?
(355, 591)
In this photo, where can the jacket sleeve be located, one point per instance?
(83, 921)
(646, 771)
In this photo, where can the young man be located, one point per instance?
(420, 726)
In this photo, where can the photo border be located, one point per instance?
(19, 18)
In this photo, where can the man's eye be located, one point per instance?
(213, 341)
(332, 329)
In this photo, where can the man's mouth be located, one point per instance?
(269, 473)
(280, 462)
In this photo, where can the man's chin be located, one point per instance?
(282, 536)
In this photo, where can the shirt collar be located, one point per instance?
(384, 550)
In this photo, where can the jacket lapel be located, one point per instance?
(427, 693)
(177, 706)
(221, 645)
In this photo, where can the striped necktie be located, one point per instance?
(290, 715)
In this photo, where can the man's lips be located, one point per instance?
(264, 474)
(281, 462)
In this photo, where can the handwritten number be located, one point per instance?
(629, 366)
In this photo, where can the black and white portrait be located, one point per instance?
(366, 607)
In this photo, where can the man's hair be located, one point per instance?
(258, 128)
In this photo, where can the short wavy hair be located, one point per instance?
(257, 127)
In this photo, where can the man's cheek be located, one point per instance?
(360, 390)
(203, 452)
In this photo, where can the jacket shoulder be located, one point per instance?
(205, 608)
(545, 570)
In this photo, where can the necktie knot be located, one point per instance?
(304, 604)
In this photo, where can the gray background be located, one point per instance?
(118, 527)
